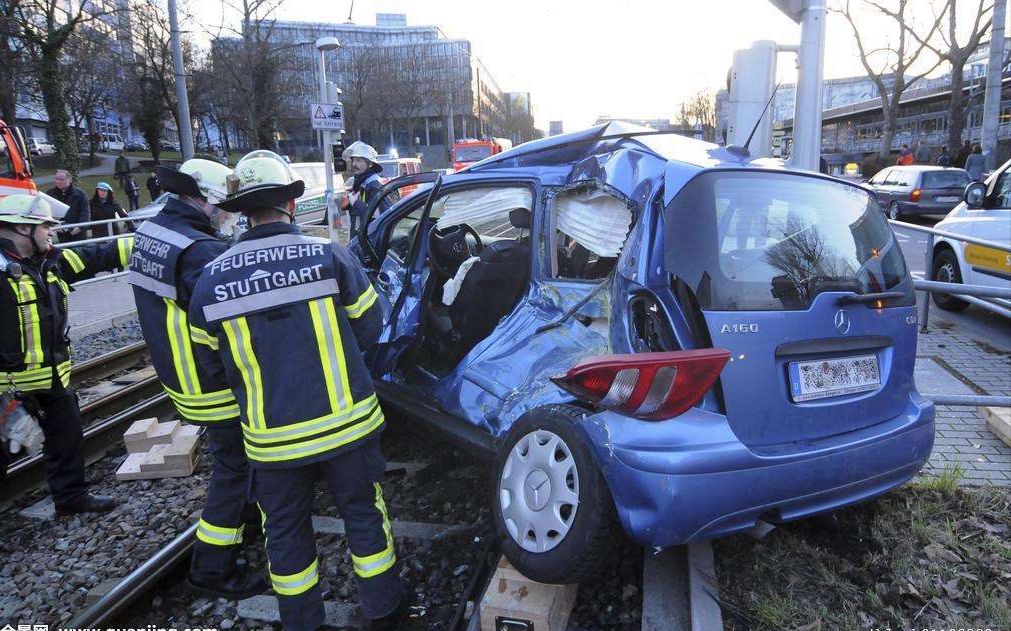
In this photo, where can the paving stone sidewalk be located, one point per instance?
(963, 437)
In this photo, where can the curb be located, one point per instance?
(105, 323)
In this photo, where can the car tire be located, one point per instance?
(893, 211)
(583, 543)
(945, 270)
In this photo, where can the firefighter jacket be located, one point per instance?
(169, 255)
(34, 340)
(289, 317)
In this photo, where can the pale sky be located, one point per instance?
(582, 59)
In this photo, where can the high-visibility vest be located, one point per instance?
(34, 329)
(283, 312)
(163, 254)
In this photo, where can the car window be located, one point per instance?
(1001, 197)
(313, 174)
(955, 178)
(894, 178)
(590, 230)
(748, 242)
(880, 177)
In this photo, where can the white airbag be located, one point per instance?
(597, 220)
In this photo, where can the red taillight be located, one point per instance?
(649, 386)
(915, 195)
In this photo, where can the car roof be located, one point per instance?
(923, 167)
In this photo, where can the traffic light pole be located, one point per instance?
(185, 126)
(806, 152)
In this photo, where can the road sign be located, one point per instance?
(793, 8)
(327, 116)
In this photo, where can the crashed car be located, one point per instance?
(652, 331)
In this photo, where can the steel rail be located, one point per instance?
(136, 583)
(108, 364)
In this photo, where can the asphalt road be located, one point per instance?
(994, 328)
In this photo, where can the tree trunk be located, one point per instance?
(51, 86)
(956, 108)
(888, 133)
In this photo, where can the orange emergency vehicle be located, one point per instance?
(470, 150)
(15, 166)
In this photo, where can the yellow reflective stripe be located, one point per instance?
(375, 564)
(179, 342)
(53, 278)
(314, 426)
(40, 378)
(28, 319)
(241, 346)
(361, 305)
(207, 398)
(200, 336)
(226, 413)
(124, 246)
(74, 259)
(319, 445)
(219, 535)
(331, 353)
(298, 583)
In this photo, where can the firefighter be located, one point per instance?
(289, 318)
(365, 182)
(169, 255)
(34, 340)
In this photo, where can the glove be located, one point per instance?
(22, 431)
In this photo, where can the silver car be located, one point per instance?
(919, 189)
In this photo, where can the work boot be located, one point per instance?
(238, 585)
(87, 504)
(393, 620)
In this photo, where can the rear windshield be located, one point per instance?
(472, 154)
(749, 241)
(956, 178)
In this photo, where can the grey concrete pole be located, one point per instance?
(991, 100)
(807, 113)
(185, 125)
(333, 214)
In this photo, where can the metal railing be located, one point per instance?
(999, 303)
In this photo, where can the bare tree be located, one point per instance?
(701, 109)
(12, 59)
(360, 73)
(45, 28)
(409, 87)
(90, 57)
(956, 55)
(894, 58)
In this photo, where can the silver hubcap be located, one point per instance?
(946, 274)
(893, 212)
(539, 491)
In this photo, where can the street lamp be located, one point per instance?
(323, 44)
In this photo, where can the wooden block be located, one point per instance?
(137, 437)
(130, 469)
(179, 455)
(515, 598)
(999, 422)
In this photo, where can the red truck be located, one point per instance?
(470, 150)
(15, 166)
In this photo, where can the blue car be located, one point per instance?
(652, 332)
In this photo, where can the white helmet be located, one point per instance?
(27, 209)
(359, 149)
(211, 178)
(261, 178)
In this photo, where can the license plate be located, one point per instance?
(834, 377)
(947, 199)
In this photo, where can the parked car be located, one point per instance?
(648, 330)
(985, 214)
(311, 206)
(40, 147)
(136, 144)
(112, 142)
(919, 189)
(167, 145)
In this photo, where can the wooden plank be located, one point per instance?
(999, 422)
(703, 590)
(665, 590)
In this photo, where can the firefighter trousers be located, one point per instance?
(63, 451)
(219, 533)
(285, 497)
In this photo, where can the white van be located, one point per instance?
(112, 142)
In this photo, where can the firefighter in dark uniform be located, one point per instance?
(34, 340)
(289, 317)
(169, 255)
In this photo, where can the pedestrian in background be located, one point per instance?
(905, 156)
(963, 154)
(975, 164)
(122, 169)
(944, 160)
(104, 206)
(153, 186)
(923, 154)
(79, 211)
(132, 192)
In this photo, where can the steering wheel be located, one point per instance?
(448, 247)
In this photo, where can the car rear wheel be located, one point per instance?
(553, 510)
(893, 211)
(946, 271)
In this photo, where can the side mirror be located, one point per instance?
(974, 195)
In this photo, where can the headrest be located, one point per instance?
(520, 218)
